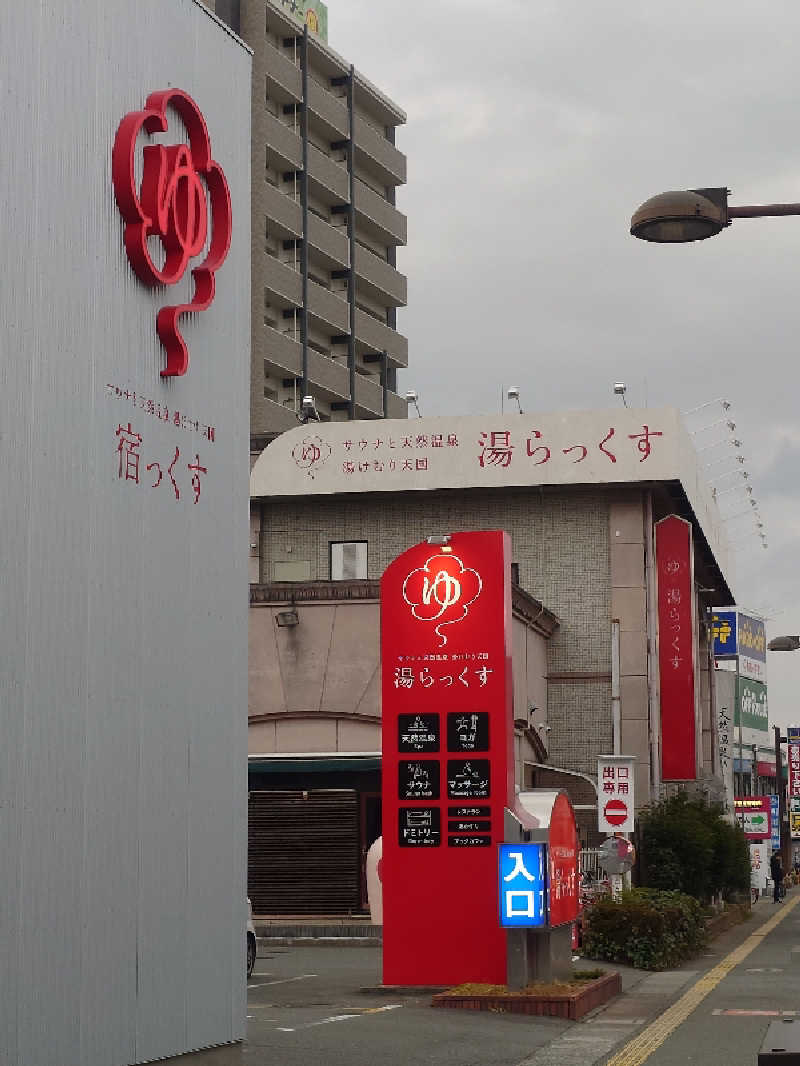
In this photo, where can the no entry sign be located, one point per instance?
(615, 794)
(616, 812)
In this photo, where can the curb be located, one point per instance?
(264, 943)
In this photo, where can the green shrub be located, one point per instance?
(646, 928)
(687, 845)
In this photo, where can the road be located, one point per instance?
(308, 1005)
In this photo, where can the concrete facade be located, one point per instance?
(584, 551)
(561, 545)
(123, 783)
(325, 229)
(315, 686)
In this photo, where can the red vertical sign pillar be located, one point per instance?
(676, 649)
(448, 758)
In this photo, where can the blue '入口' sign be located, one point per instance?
(523, 885)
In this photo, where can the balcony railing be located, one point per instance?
(381, 276)
(379, 154)
(284, 80)
(281, 141)
(383, 216)
(377, 337)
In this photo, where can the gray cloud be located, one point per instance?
(535, 129)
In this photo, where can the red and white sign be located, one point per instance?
(793, 756)
(753, 814)
(676, 643)
(615, 794)
(563, 850)
(448, 759)
(181, 186)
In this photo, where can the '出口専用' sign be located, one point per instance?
(181, 187)
(448, 761)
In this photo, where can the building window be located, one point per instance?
(348, 560)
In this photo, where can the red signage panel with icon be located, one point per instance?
(448, 758)
(676, 638)
(563, 848)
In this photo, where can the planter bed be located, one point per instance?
(572, 1003)
(727, 919)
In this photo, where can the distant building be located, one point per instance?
(325, 287)
(582, 495)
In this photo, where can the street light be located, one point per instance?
(694, 214)
(784, 644)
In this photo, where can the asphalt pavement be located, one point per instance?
(319, 1006)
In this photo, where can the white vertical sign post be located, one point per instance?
(615, 793)
(725, 736)
(616, 807)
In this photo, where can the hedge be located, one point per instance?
(646, 928)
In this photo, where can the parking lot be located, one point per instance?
(321, 1005)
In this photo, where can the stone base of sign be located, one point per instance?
(572, 1004)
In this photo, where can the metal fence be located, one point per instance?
(590, 864)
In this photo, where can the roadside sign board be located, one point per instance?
(759, 865)
(775, 822)
(615, 793)
(793, 734)
(723, 628)
(753, 814)
(794, 818)
(523, 885)
(751, 639)
(741, 636)
(793, 758)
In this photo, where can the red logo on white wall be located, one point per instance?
(182, 188)
(441, 591)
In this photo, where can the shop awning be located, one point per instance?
(329, 762)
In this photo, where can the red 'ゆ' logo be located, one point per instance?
(181, 187)
(441, 591)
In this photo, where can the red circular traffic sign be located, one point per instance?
(616, 812)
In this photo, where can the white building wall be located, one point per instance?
(122, 608)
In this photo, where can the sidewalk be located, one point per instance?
(646, 997)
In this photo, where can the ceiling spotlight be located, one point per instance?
(513, 394)
(308, 410)
(412, 397)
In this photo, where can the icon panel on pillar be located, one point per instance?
(418, 732)
(420, 827)
(468, 731)
(418, 779)
(468, 778)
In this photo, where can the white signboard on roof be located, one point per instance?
(622, 445)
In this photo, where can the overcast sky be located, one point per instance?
(535, 128)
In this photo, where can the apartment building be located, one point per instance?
(325, 228)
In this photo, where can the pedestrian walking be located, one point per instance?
(776, 872)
